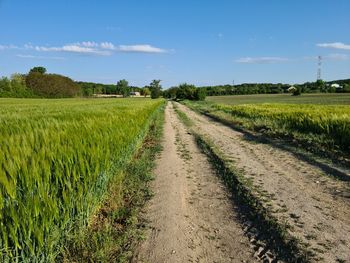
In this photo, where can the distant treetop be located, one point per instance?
(41, 70)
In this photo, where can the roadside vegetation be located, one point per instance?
(58, 158)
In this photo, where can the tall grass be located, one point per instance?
(333, 122)
(56, 158)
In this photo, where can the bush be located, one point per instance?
(200, 94)
(155, 88)
(297, 91)
(51, 85)
(186, 92)
(15, 87)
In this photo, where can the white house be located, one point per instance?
(336, 85)
(135, 94)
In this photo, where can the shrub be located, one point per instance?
(51, 85)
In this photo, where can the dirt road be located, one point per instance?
(315, 205)
(191, 217)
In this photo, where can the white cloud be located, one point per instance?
(107, 45)
(88, 44)
(3, 47)
(90, 48)
(141, 49)
(74, 48)
(39, 57)
(261, 60)
(336, 45)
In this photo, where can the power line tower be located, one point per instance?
(319, 64)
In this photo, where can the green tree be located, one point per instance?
(346, 88)
(155, 88)
(146, 91)
(297, 91)
(199, 94)
(321, 85)
(123, 88)
(40, 70)
(51, 85)
(185, 92)
(5, 85)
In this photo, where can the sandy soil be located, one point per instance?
(190, 217)
(298, 193)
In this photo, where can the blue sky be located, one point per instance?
(203, 42)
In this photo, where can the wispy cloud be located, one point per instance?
(336, 45)
(141, 49)
(90, 48)
(3, 47)
(80, 49)
(39, 57)
(261, 60)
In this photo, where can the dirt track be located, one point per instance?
(191, 218)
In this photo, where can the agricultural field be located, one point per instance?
(306, 98)
(56, 160)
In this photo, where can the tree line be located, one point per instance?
(271, 88)
(89, 89)
(39, 84)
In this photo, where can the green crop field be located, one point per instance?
(311, 98)
(331, 121)
(56, 158)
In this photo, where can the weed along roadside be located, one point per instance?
(277, 191)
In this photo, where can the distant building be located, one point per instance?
(336, 85)
(135, 94)
(106, 96)
(291, 89)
